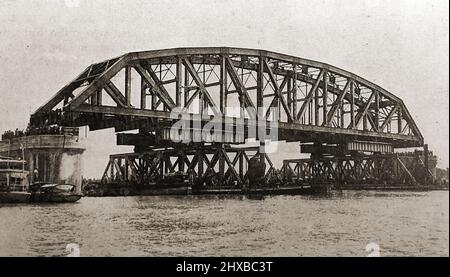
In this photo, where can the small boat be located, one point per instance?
(13, 181)
(54, 193)
(14, 197)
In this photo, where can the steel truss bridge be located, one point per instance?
(335, 113)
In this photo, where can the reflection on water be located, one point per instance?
(401, 223)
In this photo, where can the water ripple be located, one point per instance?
(402, 223)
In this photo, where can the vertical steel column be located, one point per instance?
(178, 83)
(289, 95)
(200, 164)
(262, 152)
(377, 111)
(294, 93)
(128, 86)
(342, 108)
(223, 110)
(99, 97)
(143, 94)
(241, 96)
(221, 163)
(204, 102)
(260, 95)
(201, 96)
(186, 86)
(364, 119)
(223, 86)
(325, 96)
(94, 99)
(310, 109)
(316, 104)
(111, 162)
(241, 164)
(181, 158)
(352, 104)
(154, 99)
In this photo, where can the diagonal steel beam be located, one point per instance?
(362, 112)
(389, 117)
(131, 165)
(105, 176)
(159, 83)
(154, 86)
(239, 86)
(310, 95)
(406, 170)
(278, 90)
(62, 93)
(336, 104)
(407, 116)
(231, 166)
(188, 65)
(211, 164)
(371, 119)
(272, 104)
(115, 94)
(191, 99)
(97, 84)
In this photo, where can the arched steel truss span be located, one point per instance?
(316, 102)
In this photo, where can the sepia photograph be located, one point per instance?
(240, 128)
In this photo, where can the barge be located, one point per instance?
(13, 181)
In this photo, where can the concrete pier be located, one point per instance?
(50, 158)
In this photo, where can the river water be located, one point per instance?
(342, 224)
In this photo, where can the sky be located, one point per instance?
(400, 45)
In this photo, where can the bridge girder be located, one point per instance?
(314, 100)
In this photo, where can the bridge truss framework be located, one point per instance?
(311, 102)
